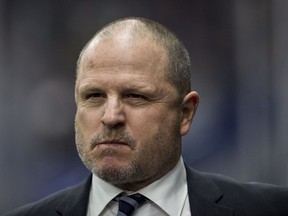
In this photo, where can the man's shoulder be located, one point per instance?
(263, 195)
(240, 196)
(226, 183)
(52, 204)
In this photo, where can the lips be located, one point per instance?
(112, 142)
(111, 147)
(106, 140)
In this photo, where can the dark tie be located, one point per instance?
(128, 204)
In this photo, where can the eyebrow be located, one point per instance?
(133, 86)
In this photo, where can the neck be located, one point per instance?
(135, 186)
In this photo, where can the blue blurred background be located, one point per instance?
(239, 51)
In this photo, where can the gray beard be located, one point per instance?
(135, 171)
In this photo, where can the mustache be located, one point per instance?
(112, 135)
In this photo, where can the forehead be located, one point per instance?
(123, 49)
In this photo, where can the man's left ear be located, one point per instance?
(188, 109)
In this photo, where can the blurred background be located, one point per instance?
(239, 52)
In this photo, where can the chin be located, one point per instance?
(117, 174)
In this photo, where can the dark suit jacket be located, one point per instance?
(209, 195)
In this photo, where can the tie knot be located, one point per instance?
(128, 204)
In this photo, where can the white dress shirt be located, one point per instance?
(167, 196)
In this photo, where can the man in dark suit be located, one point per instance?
(134, 103)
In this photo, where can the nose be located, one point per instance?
(113, 114)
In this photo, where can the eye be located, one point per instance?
(135, 96)
(136, 99)
(94, 95)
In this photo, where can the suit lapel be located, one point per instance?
(204, 196)
(75, 202)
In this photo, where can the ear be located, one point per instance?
(188, 110)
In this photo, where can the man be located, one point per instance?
(134, 104)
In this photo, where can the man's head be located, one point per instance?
(133, 102)
(178, 61)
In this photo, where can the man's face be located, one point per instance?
(128, 120)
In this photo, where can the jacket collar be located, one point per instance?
(204, 195)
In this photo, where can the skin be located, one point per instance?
(129, 119)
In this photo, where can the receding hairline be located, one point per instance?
(178, 64)
(139, 29)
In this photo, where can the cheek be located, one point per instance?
(87, 121)
(161, 121)
(158, 145)
(145, 125)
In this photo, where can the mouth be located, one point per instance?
(111, 144)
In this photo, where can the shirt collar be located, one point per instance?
(169, 196)
(170, 191)
(101, 193)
